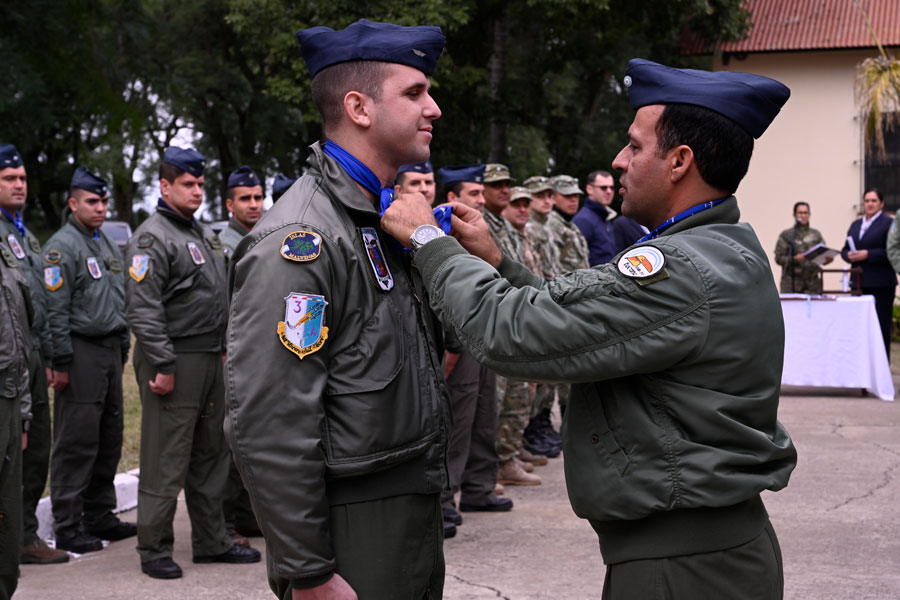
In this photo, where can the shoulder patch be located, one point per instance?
(53, 278)
(140, 266)
(14, 245)
(303, 330)
(145, 241)
(53, 256)
(8, 258)
(642, 262)
(35, 245)
(301, 246)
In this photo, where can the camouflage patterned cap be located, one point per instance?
(538, 183)
(495, 172)
(519, 192)
(565, 185)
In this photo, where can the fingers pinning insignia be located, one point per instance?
(53, 279)
(303, 330)
(301, 246)
(140, 266)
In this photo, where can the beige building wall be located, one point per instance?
(811, 152)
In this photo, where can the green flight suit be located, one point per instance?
(176, 307)
(36, 458)
(798, 277)
(231, 236)
(15, 345)
(675, 352)
(85, 283)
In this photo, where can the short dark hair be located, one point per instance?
(401, 178)
(877, 192)
(798, 205)
(330, 85)
(593, 175)
(721, 147)
(455, 187)
(170, 172)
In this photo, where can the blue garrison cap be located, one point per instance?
(9, 157)
(243, 177)
(422, 167)
(86, 180)
(751, 101)
(417, 47)
(451, 175)
(281, 185)
(186, 159)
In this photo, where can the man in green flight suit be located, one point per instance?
(24, 247)
(674, 348)
(83, 274)
(245, 203)
(176, 307)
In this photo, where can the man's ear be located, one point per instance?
(357, 107)
(681, 159)
(164, 187)
(73, 202)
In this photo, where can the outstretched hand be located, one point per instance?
(470, 229)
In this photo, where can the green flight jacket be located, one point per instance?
(85, 282)
(175, 292)
(231, 236)
(893, 243)
(16, 315)
(360, 415)
(677, 378)
(27, 251)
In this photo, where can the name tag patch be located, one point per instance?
(93, 267)
(376, 258)
(642, 262)
(196, 255)
(303, 330)
(301, 246)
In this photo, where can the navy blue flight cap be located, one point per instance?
(451, 175)
(186, 159)
(243, 177)
(86, 180)
(751, 101)
(281, 185)
(9, 157)
(422, 167)
(417, 47)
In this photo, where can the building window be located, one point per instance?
(884, 173)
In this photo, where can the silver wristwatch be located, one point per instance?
(424, 234)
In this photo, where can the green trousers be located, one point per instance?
(36, 457)
(182, 446)
(10, 495)
(238, 511)
(390, 549)
(751, 571)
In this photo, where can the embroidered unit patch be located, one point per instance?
(140, 265)
(8, 258)
(301, 246)
(376, 258)
(641, 262)
(196, 256)
(93, 267)
(35, 245)
(114, 264)
(53, 256)
(303, 330)
(53, 278)
(15, 246)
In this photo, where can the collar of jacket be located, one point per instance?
(727, 212)
(81, 228)
(167, 211)
(342, 186)
(538, 217)
(236, 225)
(562, 215)
(604, 213)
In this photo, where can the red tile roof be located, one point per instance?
(783, 25)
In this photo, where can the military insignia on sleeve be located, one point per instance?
(53, 278)
(642, 262)
(196, 256)
(15, 246)
(376, 258)
(35, 245)
(53, 256)
(114, 264)
(301, 246)
(93, 267)
(8, 258)
(140, 264)
(145, 241)
(303, 330)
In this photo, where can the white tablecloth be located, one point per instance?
(835, 343)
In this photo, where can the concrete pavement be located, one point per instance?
(838, 523)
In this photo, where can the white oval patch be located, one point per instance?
(640, 262)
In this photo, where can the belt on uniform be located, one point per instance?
(112, 340)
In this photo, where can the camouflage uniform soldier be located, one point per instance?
(24, 247)
(514, 395)
(573, 249)
(798, 275)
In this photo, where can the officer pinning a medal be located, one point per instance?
(674, 348)
(337, 410)
(176, 307)
(85, 279)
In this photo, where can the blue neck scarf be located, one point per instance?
(679, 217)
(364, 176)
(17, 221)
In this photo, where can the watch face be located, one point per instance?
(425, 234)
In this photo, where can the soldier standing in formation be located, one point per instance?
(84, 277)
(245, 203)
(799, 275)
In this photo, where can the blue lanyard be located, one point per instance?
(96, 236)
(17, 222)
(679, 217)
(364, 176)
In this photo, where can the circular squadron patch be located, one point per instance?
(641, 262)
(301, 246)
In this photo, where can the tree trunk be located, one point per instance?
(498, 74)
